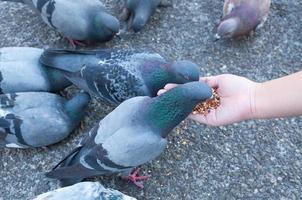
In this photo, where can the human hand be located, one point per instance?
(236, 96)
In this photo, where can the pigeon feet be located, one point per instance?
(136, 179)
(75, 43)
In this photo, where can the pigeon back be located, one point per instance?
(84, 191)
(33, 121)
(20, 70)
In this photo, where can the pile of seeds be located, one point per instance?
(204, 108)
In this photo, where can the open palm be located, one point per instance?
(236, 96)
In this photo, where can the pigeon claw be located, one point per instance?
(75, 43)
(136, 179)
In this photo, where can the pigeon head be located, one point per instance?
(75, 107)
(227, 28)
(184, 71)
(106, 26)
(169, 109)
(139, 21)
(141, 15)
(239, 22)
(178, 72)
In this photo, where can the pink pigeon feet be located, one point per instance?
(75, 43)
(136, 179)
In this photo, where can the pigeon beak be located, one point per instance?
(217, 37)
(122, 31)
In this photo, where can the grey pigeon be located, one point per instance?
(21, 71)
(78, 20)
(38, 119)
(139, 12)
(84, 191)
(240, 17)
(131, 135)
(116, 75)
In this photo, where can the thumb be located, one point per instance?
(168, 87)
(212, 81)
(200, 119)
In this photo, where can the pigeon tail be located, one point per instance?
(69, 60)
(62, 172)
(69, 181)
(66, 160)
(70, 172)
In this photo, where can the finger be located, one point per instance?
(170, 86)
(161, 92)
(209, 119)
(212, 81)
(204, 79)
(198, 118)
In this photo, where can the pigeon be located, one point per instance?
(131, 135)
(240, 17)
(78, 20)
(38, 119)
(84, 191)
(139, 12)
(117, 75)
(21, 71)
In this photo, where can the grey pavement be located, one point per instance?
(249, 160)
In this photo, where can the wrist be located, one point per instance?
(254, 100)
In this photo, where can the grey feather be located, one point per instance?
(84, 20)
(116, 75)
(241, 17)
(21, 71)
(84, 191)
(140, 12)
(18, 1)
(133, 134)
(36, 119)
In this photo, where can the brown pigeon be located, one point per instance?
(240, 17)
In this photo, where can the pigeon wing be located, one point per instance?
(112, 82)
